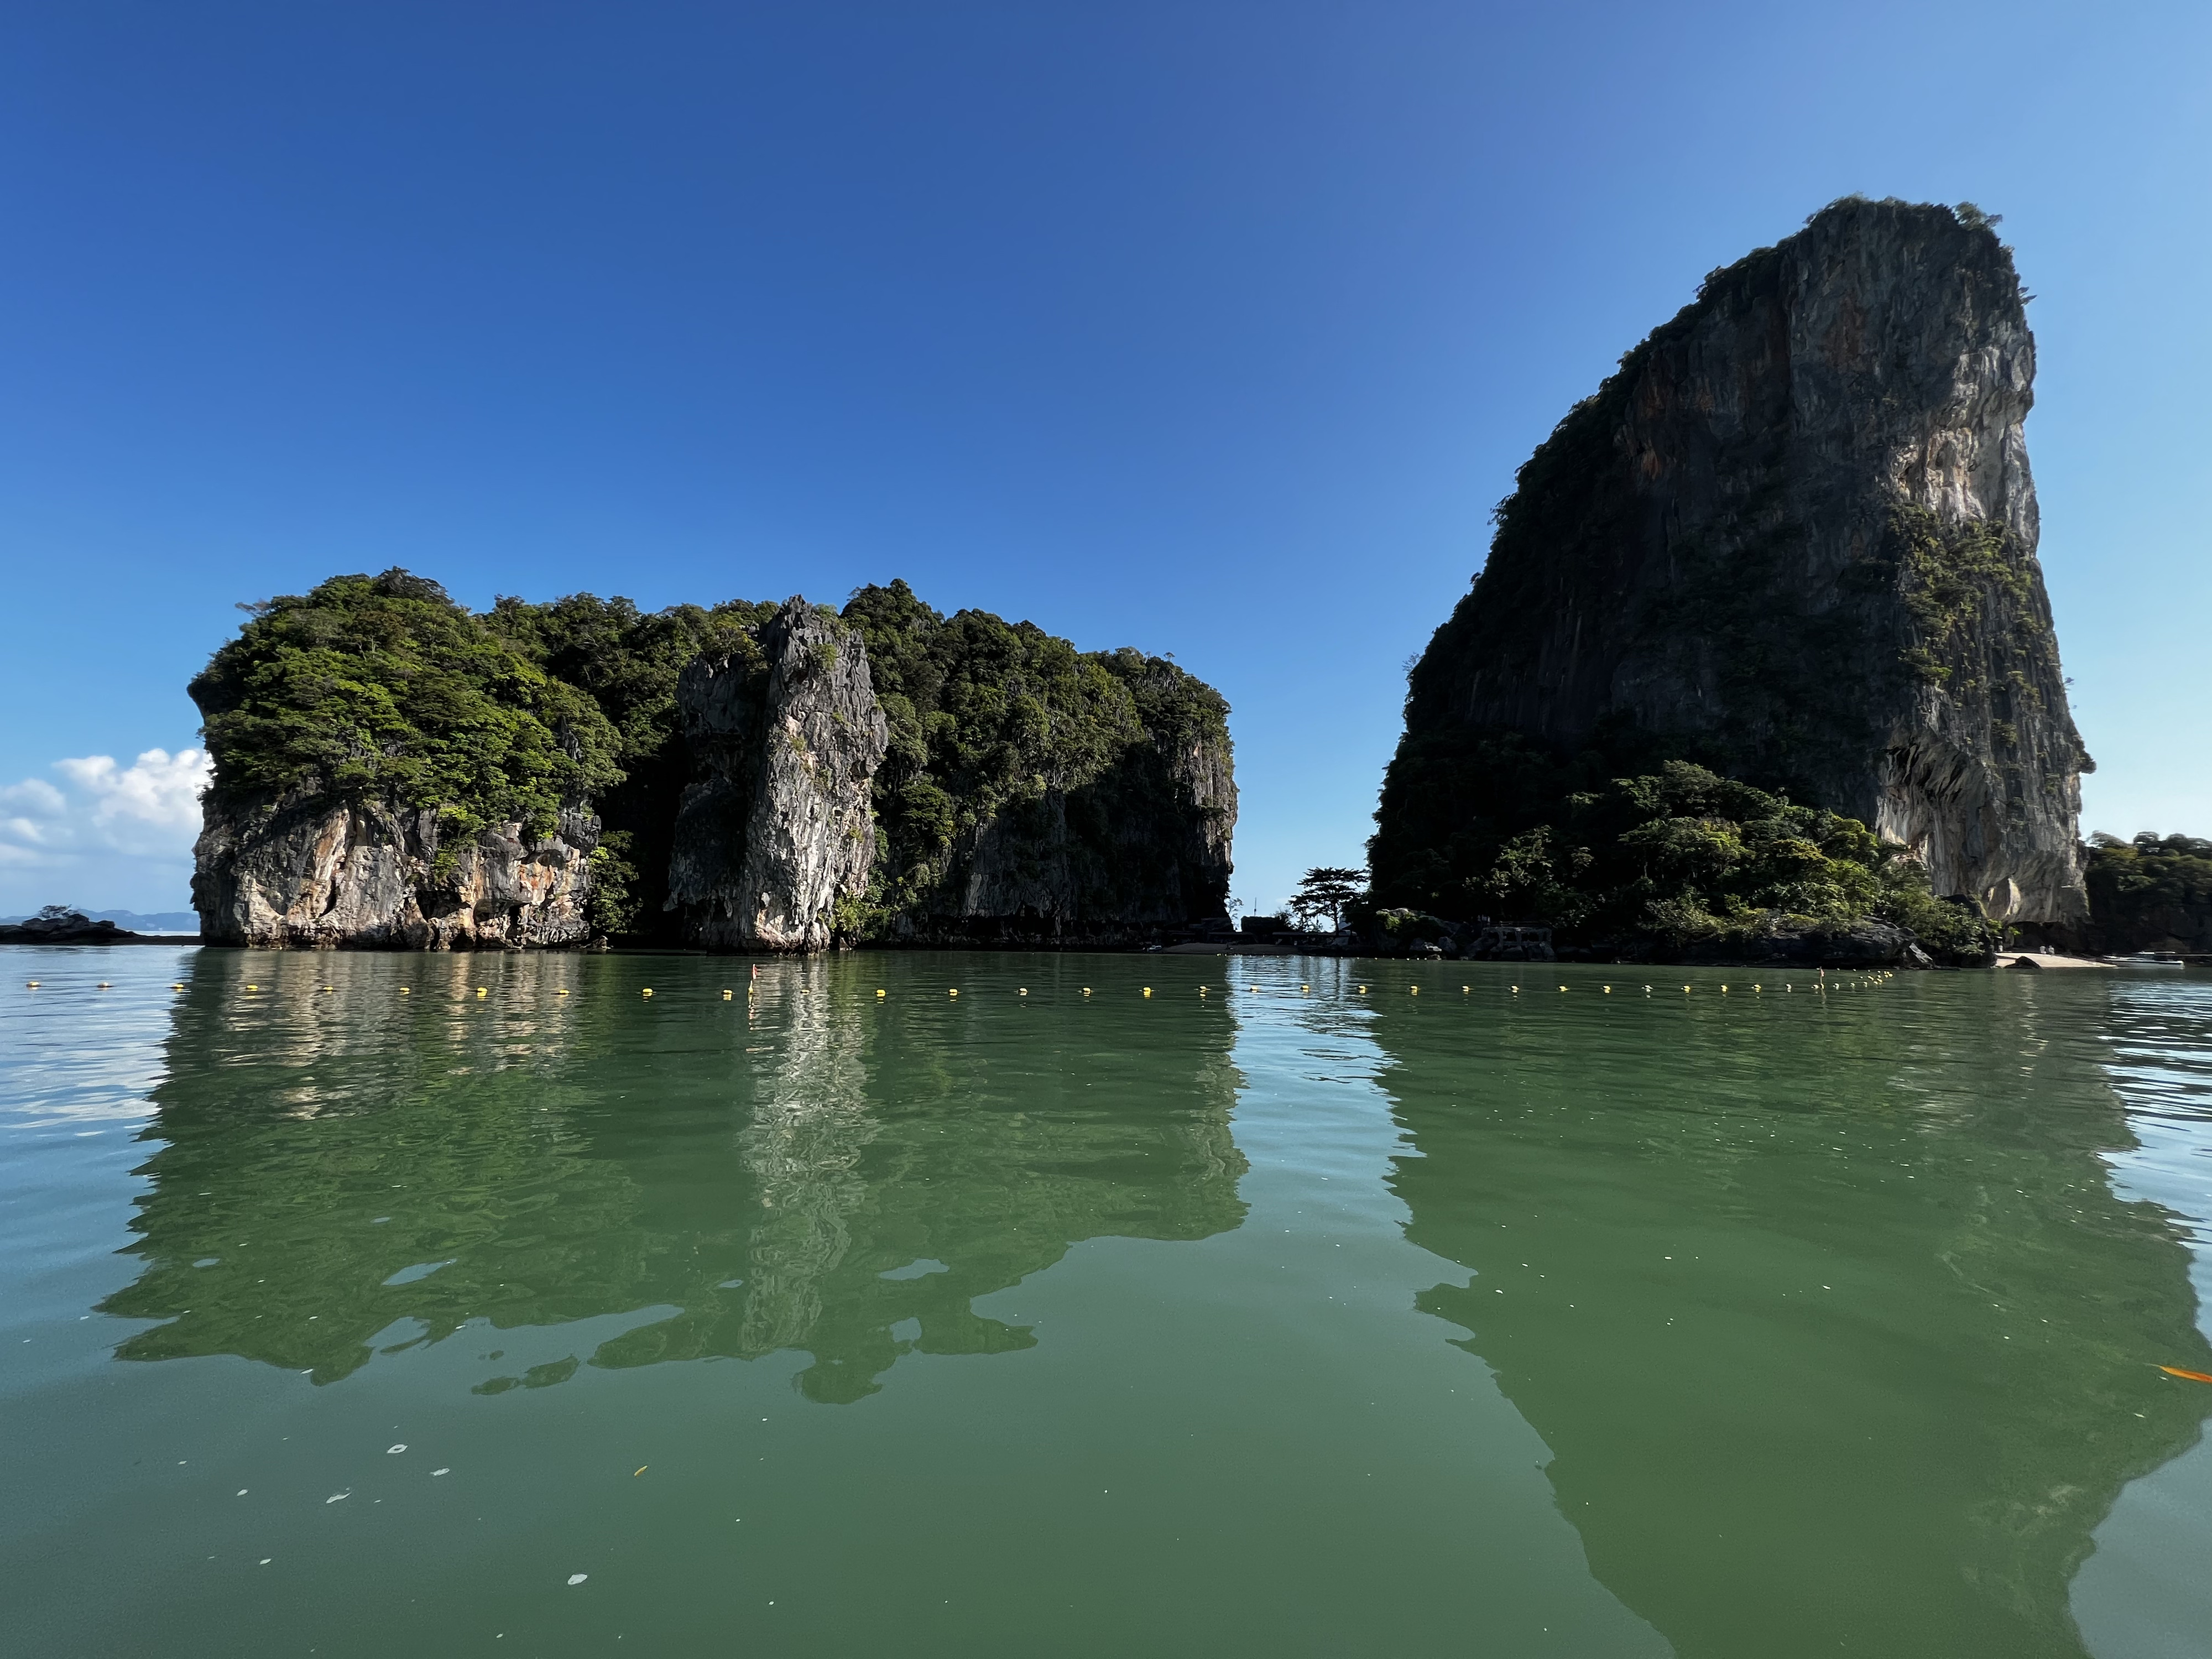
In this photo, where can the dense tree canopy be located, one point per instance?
(1680, 855)
(2149, 889)
(382, 686)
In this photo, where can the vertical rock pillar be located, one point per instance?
(777, 829)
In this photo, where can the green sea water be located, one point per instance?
(347, 1310)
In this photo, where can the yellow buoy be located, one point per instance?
(1464, 989)
(953, 993)
(647, 992)
(726, 995)
(1201, 990)
(105, 985)
(1517, 990)
(481, 992)
(1413, 990)
(253, 988)
(1758, 987)
(1362, 990)
(1562, 988)
(1086, 990)
(1025, 990)
(879, 990)
(561, 992)
(1724, 987)
(30, 985)
(178, 986)
(408, 991)
(1148, 990)
(1305, 988)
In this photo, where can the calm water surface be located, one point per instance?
(350, 1312)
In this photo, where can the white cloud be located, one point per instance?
(159, 789)
(111, 836)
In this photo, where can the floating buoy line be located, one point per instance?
(1820, 986)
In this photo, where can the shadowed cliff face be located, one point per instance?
(1142, 845)
(1036, 794)
(1834, 1346)
(1794, 538)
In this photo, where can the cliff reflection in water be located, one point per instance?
(820, 1171)
(1836, 1330)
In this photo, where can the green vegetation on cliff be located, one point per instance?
(381, 687)
(627, 661)
(987, 718)
(2149, 892)
(1678, 857)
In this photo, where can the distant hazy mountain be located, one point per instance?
(137, 921)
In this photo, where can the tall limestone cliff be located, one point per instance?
(1792, 539)
(392, 771)
(777, 831)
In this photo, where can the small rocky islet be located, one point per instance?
(1760, 667)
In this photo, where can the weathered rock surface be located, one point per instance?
(1794, 537)
(777, 831)
(1128, 857)
(308, 873)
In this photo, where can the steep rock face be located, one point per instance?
(1795, 538)
(1121, 860)
(308, 873)
(1036, 794)
(776, 832)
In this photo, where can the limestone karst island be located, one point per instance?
(1759, 667)
(393, 771)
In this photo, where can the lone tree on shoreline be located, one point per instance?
(1327, 891)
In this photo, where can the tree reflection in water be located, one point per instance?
(745, 1175)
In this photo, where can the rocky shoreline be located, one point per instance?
(56, 925)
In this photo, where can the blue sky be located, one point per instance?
(1215, 329)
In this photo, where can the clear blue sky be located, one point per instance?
(1214, 329)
